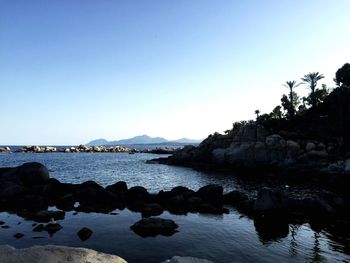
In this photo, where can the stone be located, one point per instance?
(293, 149)
(18, 235)
(55, 254)
(84, 233)
(212, 193)
(347, 166)
(268, 201)
(152, 209)
(314, 154)
(38, 228)
(234, 197)
(310, 146)
(118, 187)
(33, 173)
(45, 215)
(154, 226)
(178, 259)
(218, 156)
(10, 189)
(52, 228)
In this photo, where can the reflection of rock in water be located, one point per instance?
(271, 228)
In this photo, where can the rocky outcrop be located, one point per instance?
(253, 147)
(55, 254)
(89, 149)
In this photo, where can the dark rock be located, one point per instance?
(152, 209)
(84, 233)
(32, 202)
(5, 227)
(10, 189)
(52, 228)
(271, 228)
(33, 173)
(210, 209)
(234, 197)
(268, 201)
(194, 202)
(18, 235)
(136, 197)
(2, 223)
(211, 193)
(66, 203)
(45, 215)
(38, 228)
(154, 226)
(118, 187)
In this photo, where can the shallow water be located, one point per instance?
(226, 238)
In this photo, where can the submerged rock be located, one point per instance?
(154, 226)
(54, 254)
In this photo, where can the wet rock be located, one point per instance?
(154, 226)
(5, 227)
(38, 228)
(2, 223)
(10, 189)
(33, 173)
(268, 201)
(152, 209)
(211, 193)
(66, 203)
(118, 187)
(52, 228)
(235, 197)
(49, 253)
(210, 209)
(18, 235)
(136, 197)
(46, 215)
(84, 233)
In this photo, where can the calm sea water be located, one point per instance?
(226, 238)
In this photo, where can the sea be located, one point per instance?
(230, 237)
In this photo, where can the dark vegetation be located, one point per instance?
(323, 115)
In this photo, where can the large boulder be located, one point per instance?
(55, 254)
(154, 226)
(33, 173)
(212, 193)
(269, 201)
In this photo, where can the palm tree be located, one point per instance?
(311, 79)
(257, 112)
(292, 84)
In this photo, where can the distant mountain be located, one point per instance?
(142, 139)
(98, 142)
(186, 140)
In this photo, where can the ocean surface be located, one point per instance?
(226, 238)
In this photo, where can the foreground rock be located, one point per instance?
(55, 254)
(154, 226)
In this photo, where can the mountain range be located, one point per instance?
(142, 139)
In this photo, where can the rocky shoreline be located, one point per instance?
(87, 149)
(28, 191)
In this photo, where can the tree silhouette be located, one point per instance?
(311, 79)
(276, 112)
(290, 107)
(257, 112)
(342, 76)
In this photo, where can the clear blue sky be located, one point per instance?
(72, 71)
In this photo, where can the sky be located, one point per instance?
(72, 71)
